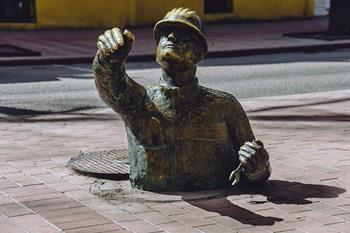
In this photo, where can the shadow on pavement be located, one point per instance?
(299, 105)
(11, 111)
(276, 191)
(287, 192)
(325, 118)
(225, 208)
(41, 73)
(21, 112)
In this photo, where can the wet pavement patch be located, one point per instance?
(8, 50)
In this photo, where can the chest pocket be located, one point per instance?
(155, 132)
(212, 132)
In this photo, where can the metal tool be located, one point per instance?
(236, 174)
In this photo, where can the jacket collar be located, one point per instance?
(180, 95)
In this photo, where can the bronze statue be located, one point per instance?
(182, 136)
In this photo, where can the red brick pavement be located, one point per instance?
(307, 137)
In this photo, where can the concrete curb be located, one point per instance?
(151, 57)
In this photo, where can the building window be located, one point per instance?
(218, 6)
(16, 11)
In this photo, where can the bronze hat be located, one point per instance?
(182, 17)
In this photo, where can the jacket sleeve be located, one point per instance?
(116, 89)
(241, 132)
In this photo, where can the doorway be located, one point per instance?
(218, 6)
(17, 11)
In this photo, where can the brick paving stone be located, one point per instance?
(83, 223)
(345, 217)
(5, 200)
(200, 212)
(253, 230)
(154, 217)
(291, 231)
(71, 211)
(78, 180)
(278, 227)
(182, 204)
(6, 169)
(328, 209)
(342, 227)
(274, 212)
(118, 231)
(335, 201)
(346, 207)
(72, 217)
(47, 202)
(7, 227)
(119, 215)
(29, 191)
(98, 204)
(61, 206)
(5, 183)
(34, 170)
(311, 227)
(192, 220)
(214, 229)
(21, 163)
(38, 197)
(23, 179)
(18, 176)
(34, 223)
(48, 164)
(176, 227)
(292, 207)
(140, 226)
(80, 195)
(60, 171)
(64, 186)
(134, 207)
(230, 223)
(48, 178)
(15, 209)
(321, 218)
(168, 209)
(110, 227)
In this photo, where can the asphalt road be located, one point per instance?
(60, 88)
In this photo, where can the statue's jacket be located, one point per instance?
(179, 138)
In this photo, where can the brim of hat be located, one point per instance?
(178, 23)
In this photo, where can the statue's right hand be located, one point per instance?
(115, 45)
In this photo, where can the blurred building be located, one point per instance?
(322, 7)
(35, 14)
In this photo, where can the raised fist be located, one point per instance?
(115, 45)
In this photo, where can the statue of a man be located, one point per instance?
(182, 136)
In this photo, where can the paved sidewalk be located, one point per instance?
(73, 46)
(306, 135)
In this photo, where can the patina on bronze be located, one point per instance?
(182, 136)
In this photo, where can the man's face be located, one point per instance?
(178, 49)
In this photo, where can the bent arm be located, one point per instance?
(242, 133)
(115, 88)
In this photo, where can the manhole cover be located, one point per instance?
(111, 164)
(7, 50)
